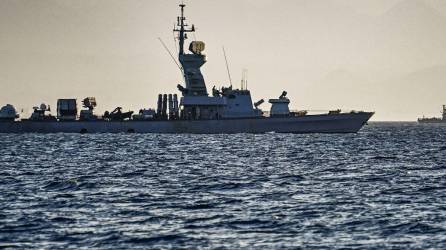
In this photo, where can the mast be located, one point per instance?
(181, 29)
(190, 62)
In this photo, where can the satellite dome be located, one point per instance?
(8, 112)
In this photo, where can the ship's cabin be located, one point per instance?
(279, 106)
(202, 107)
(225, 103)
(39, 113)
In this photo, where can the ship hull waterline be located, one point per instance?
(328, 123)
(433, 122)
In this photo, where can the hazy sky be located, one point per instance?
(387, 56)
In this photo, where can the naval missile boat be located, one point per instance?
(434, 119)
(224, 110)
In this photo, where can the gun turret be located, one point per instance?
(283, 95)
(89, 103)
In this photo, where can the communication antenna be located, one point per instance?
(227, 66)
(171, 56)
(244, 81)
(246, 78)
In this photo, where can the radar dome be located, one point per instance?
(8, 112)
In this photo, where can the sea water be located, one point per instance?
(384, 187)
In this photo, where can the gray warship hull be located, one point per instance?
(429, 121)
(227, 110)
(434, 119)
(326, 123)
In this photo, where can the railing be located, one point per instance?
(314, 112)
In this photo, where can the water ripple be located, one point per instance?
(382, 188)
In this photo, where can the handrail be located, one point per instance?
(295, 112)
